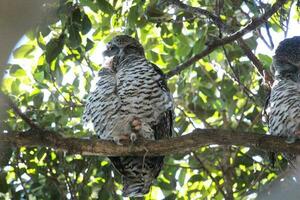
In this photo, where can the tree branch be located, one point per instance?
(17, 111)
(177, 145)
(197, 11)
(259, 66)
(255, 22)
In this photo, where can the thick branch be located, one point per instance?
(177, 145)
(256, 22)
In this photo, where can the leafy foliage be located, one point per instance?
(223, 90)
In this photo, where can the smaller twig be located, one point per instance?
(269, 35)
(256, 22)
(184, 113)
(113, 191)
(206, 170)
(197, 11)
(89, 63)
(69, 185)
(219, 6)
(191, 121)
(260, 35)
(20, 178)
(245, 13)
(57, 89)
(255, 161)
(227, 171)
(243, 114)
(236, 78)
(258, 65)
(180, 166)
(257, 180)
(18, 112)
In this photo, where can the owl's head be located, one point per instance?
(286, 61)
(122, 46)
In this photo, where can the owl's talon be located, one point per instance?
(133, 137)
(122, 139)
(291, 139)
(136, 124)
(297, 133)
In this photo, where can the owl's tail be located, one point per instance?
(136, 187)
(137, 172)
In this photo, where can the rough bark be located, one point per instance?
(178, 145)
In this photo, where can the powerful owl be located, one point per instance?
(131, 102)
(284, 103)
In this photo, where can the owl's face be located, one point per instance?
(286, 61)
(123, 45)
(284, 69)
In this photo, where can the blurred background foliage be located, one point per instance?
(54, 67)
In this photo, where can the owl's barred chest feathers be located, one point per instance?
(284, 108)
(139, 90)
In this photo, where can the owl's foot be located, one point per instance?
(125, 138)
(122, 139)
(297, 133)
(292, 139)
(133, 137)
(136, 124)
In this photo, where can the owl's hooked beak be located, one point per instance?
(111, 50)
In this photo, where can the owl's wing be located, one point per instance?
(101, 104)
(163, 129)
(87, 113)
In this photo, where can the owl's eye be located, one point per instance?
(112, 48)
(131, 46)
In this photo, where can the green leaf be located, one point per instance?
(15, 86)
(133, 16)
(38, 99)
(195, 178)
(199, 45)
(168, 40)
(74, 39)
(23, 51)
(267, 60)
(171, 197)
(39, 76)
(54, 48)
(86, 24)
(105, 7)
(89, 45)
(90, 4)
(14, 69)
(58, 74)
(76, 17)
(181, 177)
(31, 35)
(177, 27)
(3, 184)
(41, 41)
